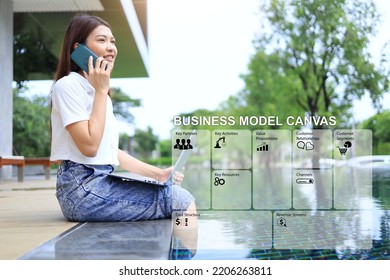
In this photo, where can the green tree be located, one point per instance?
(125, 142)
(379, 125)
(166, 148)
(31, 56)
(122, 103)
(268, 90)
(146, 142)
(314, 59)
(31, 126)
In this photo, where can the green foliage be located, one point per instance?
(268, 90)
(383, 149)
(31, 127)
(161, 161)
(146, 142)
(166, 148)
(31, 56)
(313, 60)
(124, 142)
(122, 103)
(379, 125)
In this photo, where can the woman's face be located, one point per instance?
(102, 43)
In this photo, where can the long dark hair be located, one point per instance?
(78, 30)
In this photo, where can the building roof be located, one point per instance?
(128, 18)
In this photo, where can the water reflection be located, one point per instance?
(347, 216)
(184, 242)
(230, 234)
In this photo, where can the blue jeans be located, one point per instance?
(85, 193)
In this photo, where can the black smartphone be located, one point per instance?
(81, 55)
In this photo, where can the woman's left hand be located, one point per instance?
(177, 177)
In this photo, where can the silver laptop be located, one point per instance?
(179, 165)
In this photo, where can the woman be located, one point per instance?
(85, 140)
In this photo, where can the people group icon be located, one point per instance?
(183, 144)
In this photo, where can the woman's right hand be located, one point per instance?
(99, 76)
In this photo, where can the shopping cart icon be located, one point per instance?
(343, 150)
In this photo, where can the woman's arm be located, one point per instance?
(88, 134)
(134, 165)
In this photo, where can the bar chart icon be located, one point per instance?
(262, 147)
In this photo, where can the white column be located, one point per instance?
(6, 78)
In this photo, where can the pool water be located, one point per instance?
(351, 222)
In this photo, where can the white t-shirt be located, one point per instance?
(72, 99)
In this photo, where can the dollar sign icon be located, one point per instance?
(177, 221)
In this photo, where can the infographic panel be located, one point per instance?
(208, 230)
(353, 180)
(312, 148)
(231, 149)
(310, 189)
(232, 189)
(322, 229)
(197, 166)
(271, 169)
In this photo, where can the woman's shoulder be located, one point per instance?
(74, 81)
(68, 81)
(68, 87)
